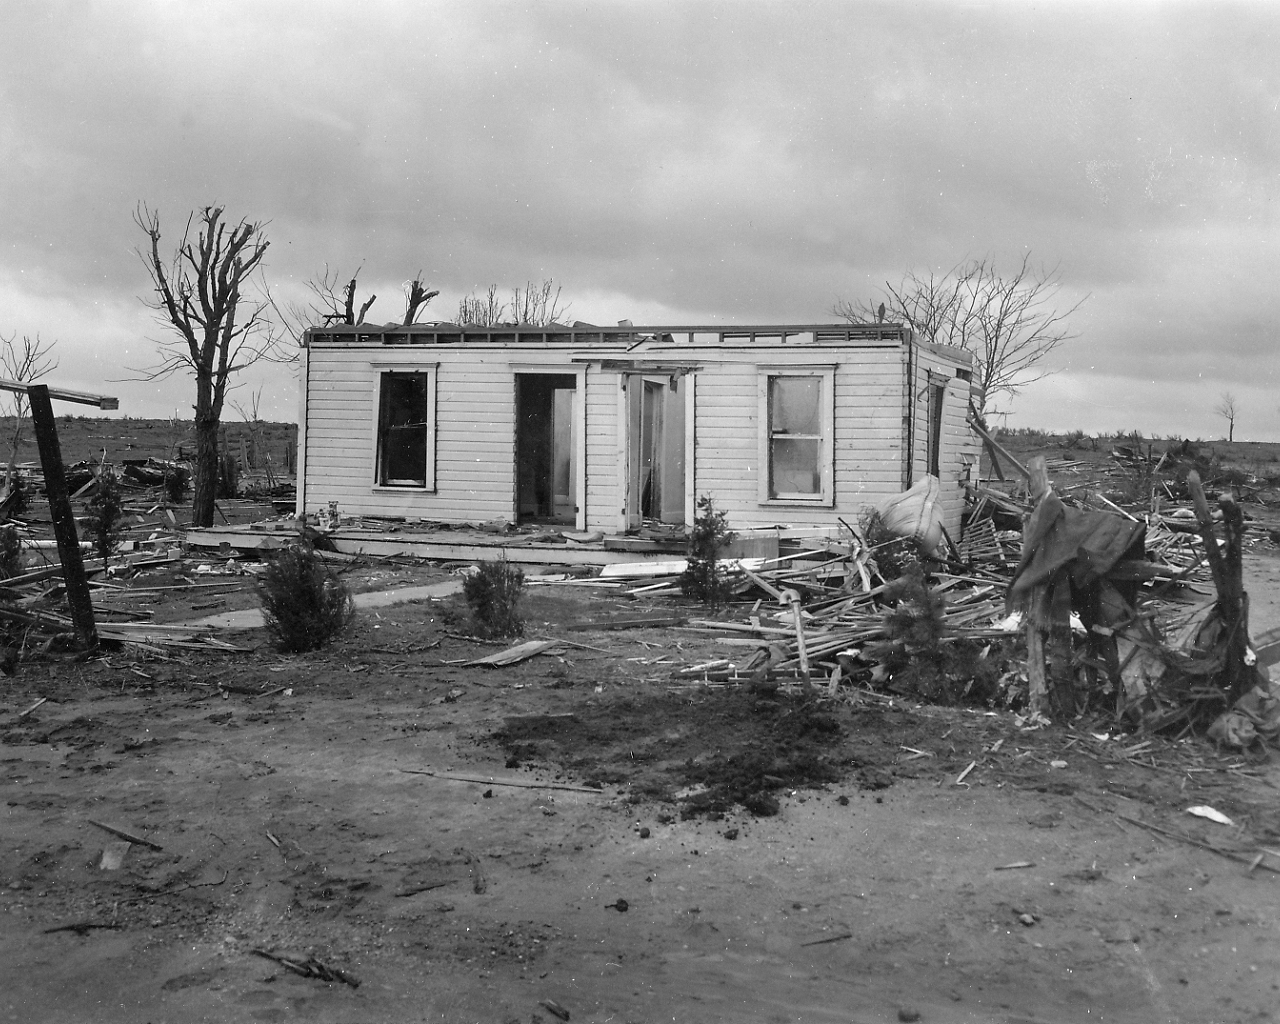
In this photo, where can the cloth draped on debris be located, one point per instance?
(1090, 543)
(916, 514)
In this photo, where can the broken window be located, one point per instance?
(797, 435)
(406, 429)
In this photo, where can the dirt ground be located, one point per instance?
(609, 871)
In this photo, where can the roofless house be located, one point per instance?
(601, 428)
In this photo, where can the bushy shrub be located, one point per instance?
(106, 509)
(920, 657)
(703, 578)
(304, 605)
(492, 593)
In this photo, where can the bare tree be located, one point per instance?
(483, 311)
(416, 297)
(1008, 324)
(535, 304)
(22, 362)
(220, 331)
(1227, 408)
(334, 303)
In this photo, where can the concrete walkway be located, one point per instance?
(251, 618)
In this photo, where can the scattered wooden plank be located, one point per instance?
(515, 783)
(129, 837)
(514, 655)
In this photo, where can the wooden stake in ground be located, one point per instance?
(64, 523)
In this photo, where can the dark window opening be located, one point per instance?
(546, 471)
(403, 428)
(937, 392)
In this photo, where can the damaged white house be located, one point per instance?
(601, 428)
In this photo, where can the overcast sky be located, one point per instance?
(668, 162)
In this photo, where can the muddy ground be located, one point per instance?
(607, 867)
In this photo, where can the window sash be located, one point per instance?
(405, 429)
(796, 442)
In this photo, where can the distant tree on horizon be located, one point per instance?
(23, 362)
(1228, 409)
(536, 304)
(1009, 324)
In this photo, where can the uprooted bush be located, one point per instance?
(893, 555)
(10, 551)
(492, 593)
(177, 482)
(228, 476)
(305, 605)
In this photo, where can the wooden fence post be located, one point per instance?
(64, 522)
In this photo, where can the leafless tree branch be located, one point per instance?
(1009, 324)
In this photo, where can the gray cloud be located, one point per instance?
(731, 161)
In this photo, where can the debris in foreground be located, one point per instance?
(310, 968)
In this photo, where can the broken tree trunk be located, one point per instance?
(1226, 565)
(1050, 671)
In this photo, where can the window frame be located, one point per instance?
(935, 405)
(383, 369)
(825, 498)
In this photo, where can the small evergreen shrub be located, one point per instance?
(304, 605)
(106, 510)
(703, 578)
(492, 593)
(920, 658)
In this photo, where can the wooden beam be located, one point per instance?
(64, 523)
(62, 395)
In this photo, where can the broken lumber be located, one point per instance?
(517, 783)
(128, 837)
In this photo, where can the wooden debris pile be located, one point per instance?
(1141, 616)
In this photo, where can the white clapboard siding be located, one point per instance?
(475, 428)
(474, 468)
(867, 425)
(603, 472)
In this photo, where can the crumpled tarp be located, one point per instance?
(916, 514)
(1091, 543)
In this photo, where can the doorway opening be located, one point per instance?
(655, 450)
(546, 442)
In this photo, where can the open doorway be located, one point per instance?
(655, 450)
(546, 445)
